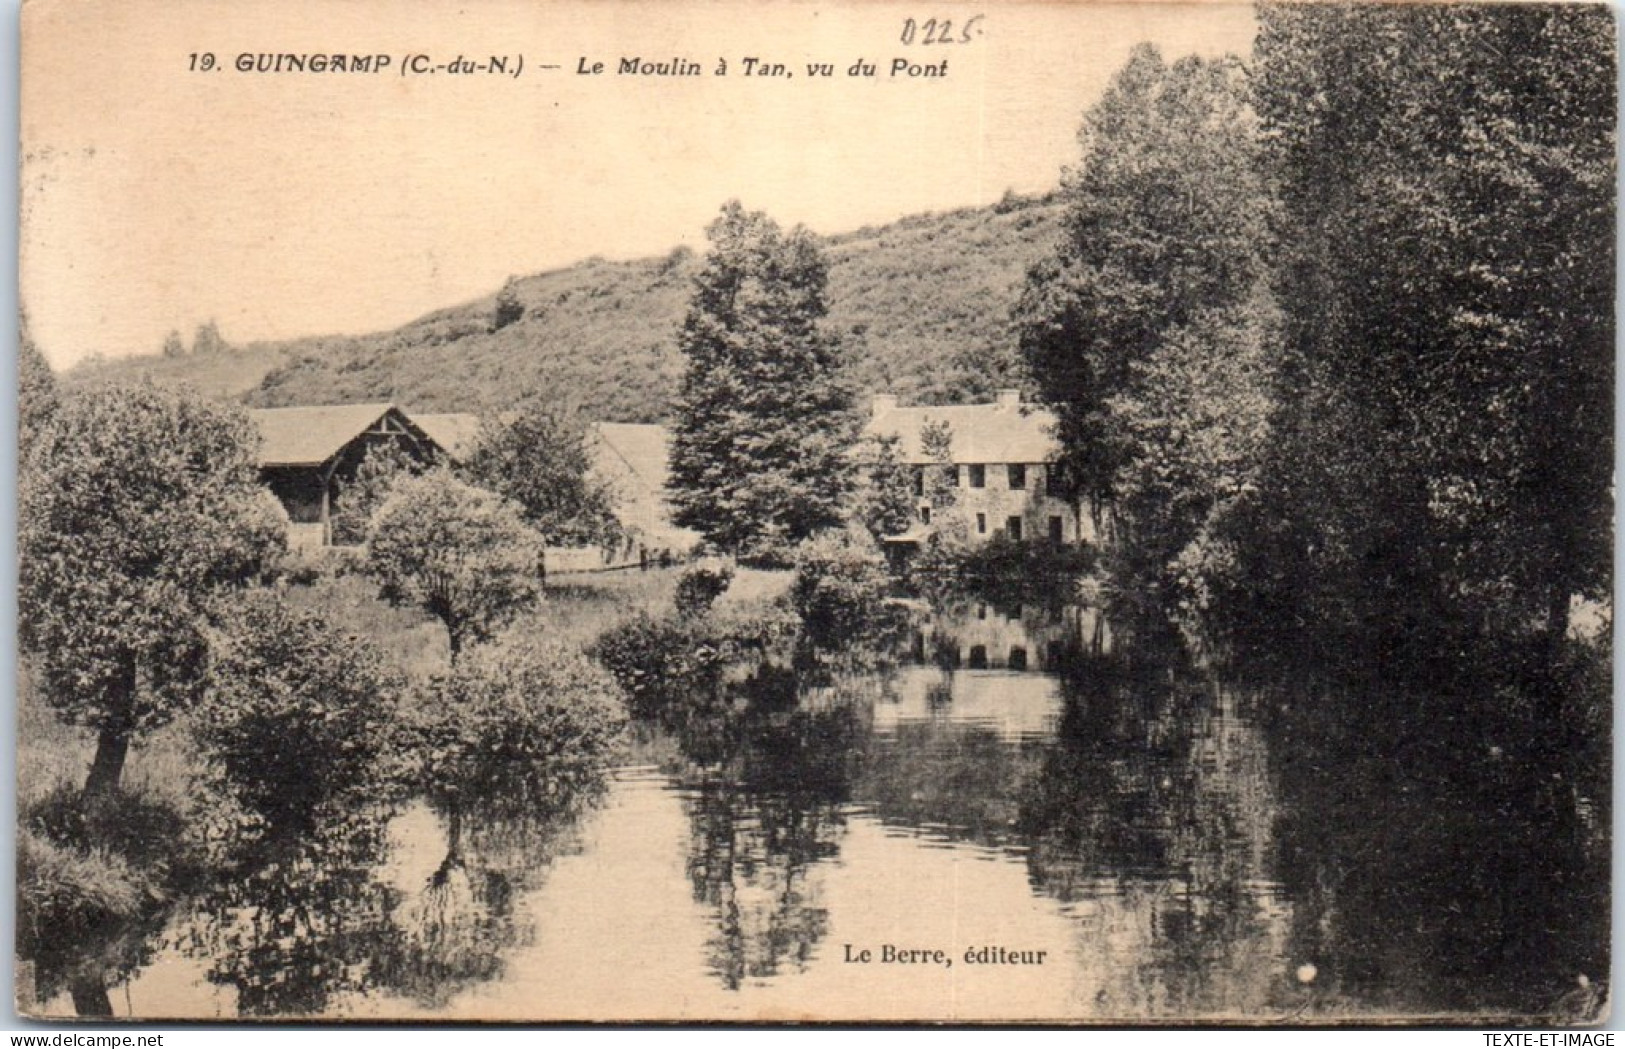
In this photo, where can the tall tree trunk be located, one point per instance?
(454, 847)
(454, 634)
(90, 996)
(114, 743)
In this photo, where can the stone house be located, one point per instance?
(1003, 467)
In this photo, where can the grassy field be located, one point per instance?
(52, 756)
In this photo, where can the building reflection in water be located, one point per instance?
(1182, 846)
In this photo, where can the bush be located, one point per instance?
(61, 889)
(299, 718)
(520, 724)
(509, 310)
(839, 589)
(87, 866)
(699, 587)
(664, 666)
(461, 553)
(770, 550)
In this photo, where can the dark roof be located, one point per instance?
(311, 435)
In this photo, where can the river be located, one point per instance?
(1021, 818)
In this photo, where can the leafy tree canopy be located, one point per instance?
(536, 455)
(1447, 281)
(885, 497)
(461, 553)
(36, 390)
(359, 498)
(136, 505)
(1166, 217)
(299, 717)
(523, 724)
(764, 418)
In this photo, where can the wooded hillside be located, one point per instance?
(922, 305)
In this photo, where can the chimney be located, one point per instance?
(883, 403)
(1007, 400)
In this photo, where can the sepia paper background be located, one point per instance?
(298, 204)
(156, 196)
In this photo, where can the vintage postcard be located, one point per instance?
(623, 511)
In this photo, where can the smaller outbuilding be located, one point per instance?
(634, 460)
(308, 453)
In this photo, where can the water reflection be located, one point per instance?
(301, 928)
(1018, 636)
(1151, 820)
(764, 798)
(86, 968)
(1179, 845)
(461, 919)
(1437, 872)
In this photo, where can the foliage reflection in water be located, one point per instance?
(1177, 845)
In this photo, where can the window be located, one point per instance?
(925, 515)
(1056, 529)
(1055, 481)
(1012, 528)
(1018, 658)
(1018, 475)
(978, 475)
(978, 657)
(981, 524)
(951, 475)
(919, 481)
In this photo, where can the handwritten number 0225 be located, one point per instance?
(933, 31)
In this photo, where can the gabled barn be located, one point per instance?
(308, 453)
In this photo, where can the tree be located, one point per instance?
(1166, 221)
(885, 497)
(1445, 450)
(173, 346)
(37, 395)
(299, 717)
(136, 506)
(536, 455)
(463, 554)
(359, 498)
(522, 724)
(208, 339)
(508, 307)
(935, 568)
(941, 484)
(764, 416)
(1195, 435)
